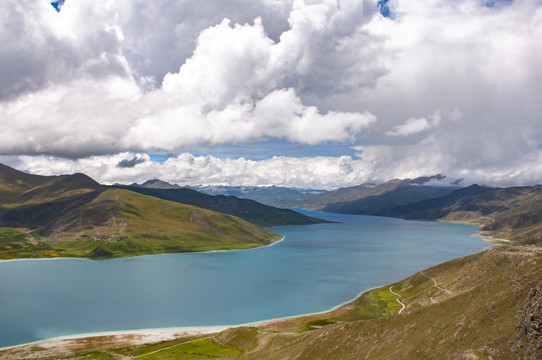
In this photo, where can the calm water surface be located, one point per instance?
(314, 269)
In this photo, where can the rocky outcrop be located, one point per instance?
(529, 329)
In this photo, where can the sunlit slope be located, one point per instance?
(250, 210)
(485, 306)
(513, 213)
(14, 182)
(116, 223)
(73, 215)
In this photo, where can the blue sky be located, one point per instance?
(57, 4)
(320, 93)
(264, 150)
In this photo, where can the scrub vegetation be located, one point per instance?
(198, 349)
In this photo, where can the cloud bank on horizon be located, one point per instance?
(442, 86)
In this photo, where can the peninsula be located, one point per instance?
(74, 216)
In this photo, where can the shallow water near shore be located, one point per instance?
(314, 269)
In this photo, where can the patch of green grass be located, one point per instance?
(16, 244)
(205, 348)
(140, 350)
(10, 235)
(373, 304)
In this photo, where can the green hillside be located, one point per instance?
(58, 187)
(485, 306)
(14, 182)
(72, 215)
(249, 210)
(116, 223)
(522, 220)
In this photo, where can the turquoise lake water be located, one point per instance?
(315, 268)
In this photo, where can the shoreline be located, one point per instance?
(280, 239)
(147, 336)
(490, 239)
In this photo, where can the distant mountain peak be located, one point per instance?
(425, 179)
(159, 184)
(434, 180)
(59, 186)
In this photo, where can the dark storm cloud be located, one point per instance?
(37, 50)
(131, 163)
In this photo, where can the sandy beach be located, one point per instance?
(95, 342)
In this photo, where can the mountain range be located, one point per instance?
(320, 199)
(271, 195)
(509, 213)
(251, 210)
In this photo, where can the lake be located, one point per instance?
(315, 268)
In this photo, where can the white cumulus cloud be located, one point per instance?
(458, 82)
(237, 86)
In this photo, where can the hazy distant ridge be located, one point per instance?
(247, 209)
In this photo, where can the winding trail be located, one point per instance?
(398, 300)
(32, 239)
(435, 282)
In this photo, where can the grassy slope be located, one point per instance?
(72, 215)
(14, 182)
(58, 187)
(522, 221)
(479, 317)
(249, 210)
(118, 223)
